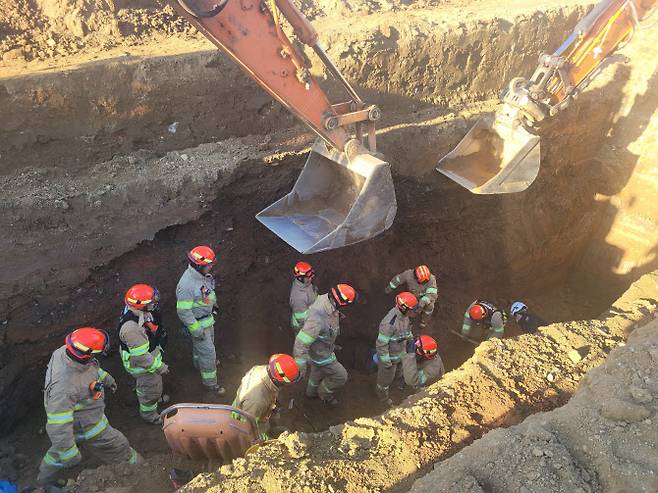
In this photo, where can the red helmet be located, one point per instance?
(426, 347)
(476, 312)
(201, 255)
(303, 269)
(422, 273)
(87, 342)
(142, 297)
(406, 301)
(282, 368)
(343, 294)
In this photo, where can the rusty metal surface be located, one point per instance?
(208, 431)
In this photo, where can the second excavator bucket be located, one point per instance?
(495, 156)
(335, 202)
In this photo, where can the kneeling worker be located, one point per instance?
(259, 390)
(490, 319)
(528, 322)
(421, 364)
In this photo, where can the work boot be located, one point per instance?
(157, 420)
(216, 389)
(331, 402)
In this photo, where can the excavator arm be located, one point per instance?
(501, 153)
(344, 194)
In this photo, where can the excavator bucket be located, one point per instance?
(209, 431)
(335, 202)
(493, 157)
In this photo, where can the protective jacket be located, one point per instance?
(494, 319)
(302, 296)
(425, 293)
(529, 322)
(257, 396)
(196, 300)
(316, 341)
(419, 372)
(74, 415)
(140, 347)
(394, 330)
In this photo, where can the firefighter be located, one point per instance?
(315, 344)
(422, 284)
(421, 363)
(74, 398)
(259, 390)
(196, 305)
(141, 336)
(486, 316)
(302, 294)
(528, 322)
(394, 330)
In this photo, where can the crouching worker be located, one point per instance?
(74, 398)
(489, 319)
(528, 322)
(259, 390)
(421, 364)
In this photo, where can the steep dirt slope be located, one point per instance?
(603, 439)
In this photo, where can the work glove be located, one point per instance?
(215, 311)
(164, 369)
(388, 290)
(113, 387)
(411, 345)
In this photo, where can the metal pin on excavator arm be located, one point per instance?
(344, 194)
(501, 153)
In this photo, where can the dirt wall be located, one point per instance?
(70, 120)
(590, 444)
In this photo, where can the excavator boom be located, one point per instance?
(501, 153)
(344, 194)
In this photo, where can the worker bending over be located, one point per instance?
(141, 336)
(259, 390)
(422, 284)
(196, 305)
(528, 322)
(487, 317)
(394, 331)
(315, 344)
(421, 363)
(302, 294)
(74, 398)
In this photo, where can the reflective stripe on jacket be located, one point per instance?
(72, 412)
(196, 300)
(135, 343)
(316, 341)
(393, 334)
(302, 297)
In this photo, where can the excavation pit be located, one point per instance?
(118, 197)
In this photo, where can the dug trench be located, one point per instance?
(569, 246)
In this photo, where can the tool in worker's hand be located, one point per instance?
(501, 153)
(464, 337)
(96, 389)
